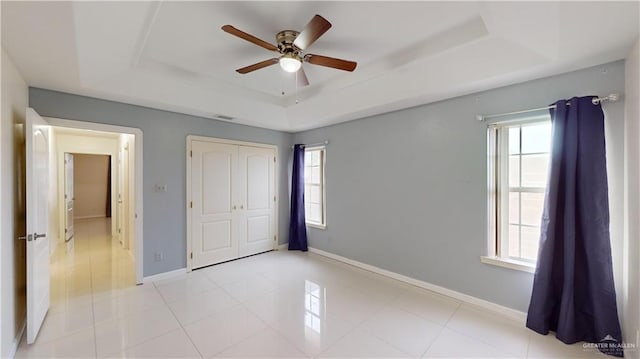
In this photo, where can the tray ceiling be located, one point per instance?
(173, 55)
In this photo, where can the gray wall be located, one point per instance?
(164, 146)
(407, 191)
(631, 329)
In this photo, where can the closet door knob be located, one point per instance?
(234, 207)
(241, 206)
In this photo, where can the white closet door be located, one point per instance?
(213, 218)
(257, 206)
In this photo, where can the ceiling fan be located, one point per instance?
(291, 46)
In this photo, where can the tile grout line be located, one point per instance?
(434, 340)
(123, 317)
(268, 326)
(444, 326)
(176, 319)
(529, 345)
(390, 306)
(481, 341)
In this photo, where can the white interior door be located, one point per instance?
(120, 213)
(37, 168)
(131, 194)
(214, 203)
(69, 196)
(126, 213)
(256, 179)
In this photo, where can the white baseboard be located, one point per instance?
(485, 304)
(165, 275)
(17, 339)
(283, 247)
(93, 216)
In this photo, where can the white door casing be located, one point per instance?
(37, 162)
(130, 189)
(231, 209)
(256, 180)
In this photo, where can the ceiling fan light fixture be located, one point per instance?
(290, 63)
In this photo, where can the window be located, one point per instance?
(314, 198)
(519, 154)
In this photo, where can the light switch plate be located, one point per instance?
(160, 188)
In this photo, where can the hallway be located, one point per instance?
(97, 263)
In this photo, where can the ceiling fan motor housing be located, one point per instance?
(285, 41)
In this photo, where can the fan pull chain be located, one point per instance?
(297, 87)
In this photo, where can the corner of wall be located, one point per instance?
(631, 297)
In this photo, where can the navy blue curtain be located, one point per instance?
(573, 290)
(297, 225)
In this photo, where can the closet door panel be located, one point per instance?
(256, 178)
(213, 188)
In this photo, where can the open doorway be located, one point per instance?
(91, 257)
(96, 211)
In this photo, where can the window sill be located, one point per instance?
(318, 226)
(509, 263)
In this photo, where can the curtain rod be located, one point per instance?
(596, 100)
(325, 142)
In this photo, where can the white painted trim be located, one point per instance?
(165, 275)
(230, 142)
(138, 173)
(509, 263)
(283, 247)
(187, 205)
(16, 341)
(150, 20)
(499, 309)
(316, 226)
(91, 217)
(276, 207)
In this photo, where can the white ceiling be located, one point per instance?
(173, 55)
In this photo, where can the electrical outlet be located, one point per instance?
(160, 188)
(158, 256)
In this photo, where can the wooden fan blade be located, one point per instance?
(257, 66)
(331, 62)
(301, 76)
(314, 29)
(243, 35)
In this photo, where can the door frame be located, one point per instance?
(190, 139)
(138, 173)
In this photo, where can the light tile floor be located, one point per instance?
(277, 304)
